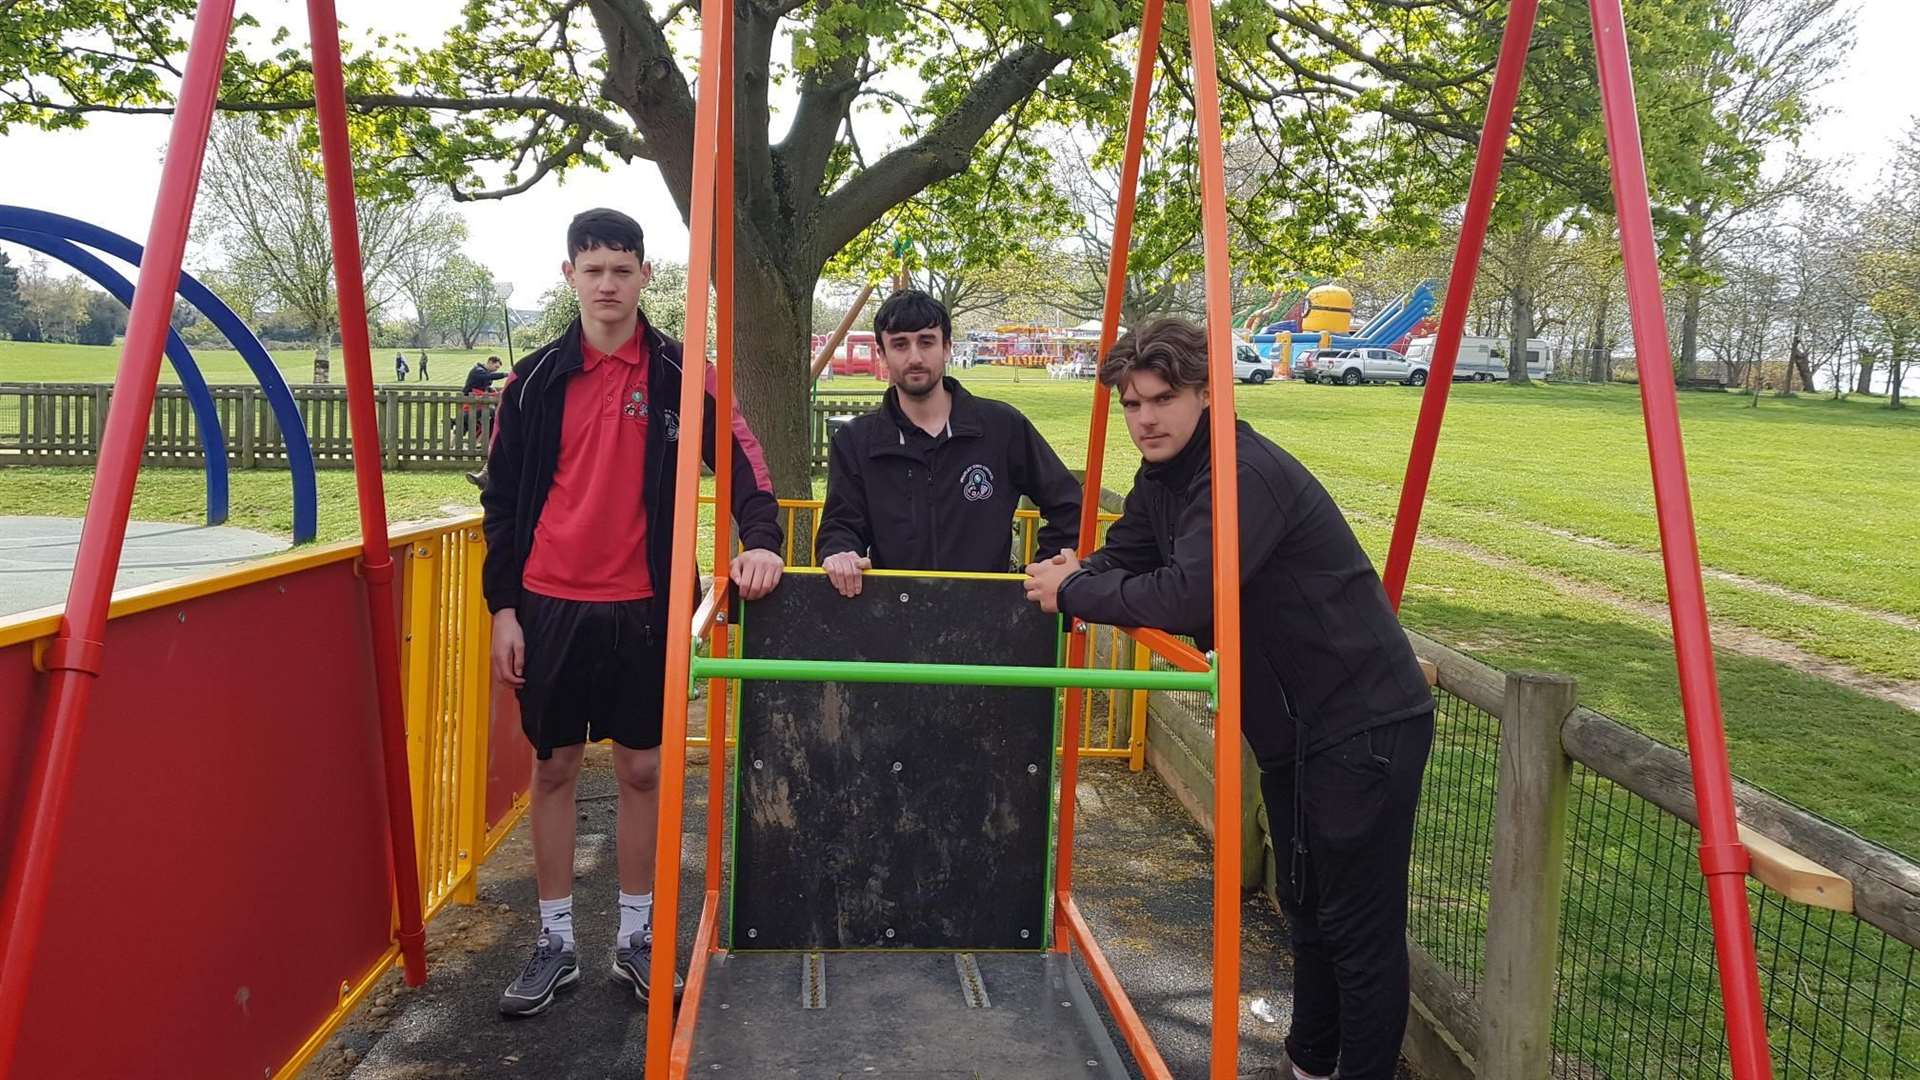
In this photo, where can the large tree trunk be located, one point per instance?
(1602, 363)
(1519, 330)
(1798, 355)
(1863, 383)
(773, 320)
(1690, 332)
(1690, 314)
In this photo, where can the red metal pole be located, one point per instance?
(1723, 859)
(1453, 315)
(376, 554)
(1224, 1059)
(74, 659)
(1150, 19)
(693, 391)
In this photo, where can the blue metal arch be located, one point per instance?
(279, 396)
(213, 439)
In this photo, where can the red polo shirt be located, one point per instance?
(591, 541)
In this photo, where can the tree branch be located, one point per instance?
(942, 151)
(547, 164)
(617, 139)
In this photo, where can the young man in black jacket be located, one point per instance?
(1335, 707)
(931, 479)
(579, 522)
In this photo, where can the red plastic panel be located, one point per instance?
(224, 865)
(509, 756)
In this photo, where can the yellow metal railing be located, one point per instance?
(1115, 722)
(445, 642)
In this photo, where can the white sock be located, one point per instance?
(636, 913)
(556, 918)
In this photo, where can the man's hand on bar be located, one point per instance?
(755, 573)
(1045, 578)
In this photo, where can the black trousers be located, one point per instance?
(1347, 902)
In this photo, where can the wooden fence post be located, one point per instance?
(243, 420)
(389, 427)
(1529, 868)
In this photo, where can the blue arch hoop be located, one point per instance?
(18, 221)
(213, 441)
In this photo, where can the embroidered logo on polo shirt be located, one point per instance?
(636, 406)
(976, 483)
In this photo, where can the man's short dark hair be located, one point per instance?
(493, 360)
(909, 310)
(1174, 349)
(604, 228)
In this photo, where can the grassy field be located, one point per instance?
(1540, 548)
(32, 361)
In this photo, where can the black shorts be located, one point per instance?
(594, 670)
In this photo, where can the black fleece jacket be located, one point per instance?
(1323, 656)
(910, 501)
(526, 449)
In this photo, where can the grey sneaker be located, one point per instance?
(552, 966)
(633, 965)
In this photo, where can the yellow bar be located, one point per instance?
(476, 716)
(349, 1001)
(416, 675)
(1137, 738)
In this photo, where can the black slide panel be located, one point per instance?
(889, 816)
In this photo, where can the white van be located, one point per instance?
(1483, 359)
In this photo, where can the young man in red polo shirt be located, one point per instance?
(579, 522)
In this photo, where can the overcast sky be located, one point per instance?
(107, 172)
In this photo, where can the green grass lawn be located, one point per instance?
(1805, 494)
(32, 361)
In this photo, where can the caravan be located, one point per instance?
(1485, 358)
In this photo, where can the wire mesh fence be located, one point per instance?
(1637, 990)
(1453, 839)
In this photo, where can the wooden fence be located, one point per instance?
(60, 424)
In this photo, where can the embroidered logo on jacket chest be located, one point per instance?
(976, 483)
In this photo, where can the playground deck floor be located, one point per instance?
(36, 555)
(1142, 878)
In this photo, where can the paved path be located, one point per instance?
(1142, 877)
(36, 555)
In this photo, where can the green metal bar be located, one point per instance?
(866, 671)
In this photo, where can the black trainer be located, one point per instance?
(552, 966)
(633, 965)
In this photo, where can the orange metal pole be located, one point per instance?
(1150, 19)
(75, 658)
(703, 953)
(714, 15)
(1145, 1054)
(1226, 553)
(1178, 653)
(722, 465)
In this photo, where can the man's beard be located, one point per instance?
(933, 381)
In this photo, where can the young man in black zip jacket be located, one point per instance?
(1334, 704)
(931, 479)
(579, 506)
